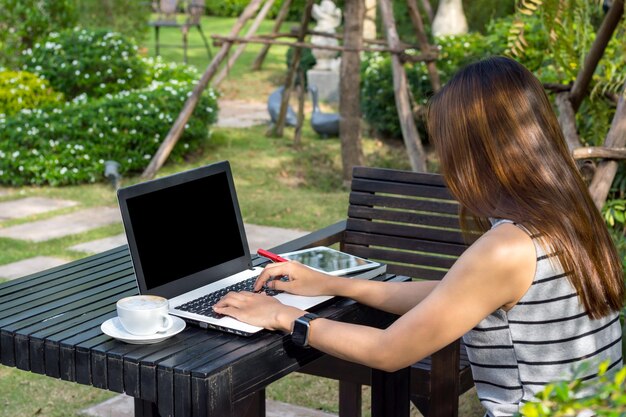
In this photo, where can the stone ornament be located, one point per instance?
(328, 17)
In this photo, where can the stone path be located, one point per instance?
(237, 113)
(29, 266)
(29, 206)
(123, 406)
(65, 225)
(100, 245)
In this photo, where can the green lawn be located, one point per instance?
(241, 83)
(277, 185)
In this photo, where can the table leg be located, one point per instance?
(146, 408)
(390, 393)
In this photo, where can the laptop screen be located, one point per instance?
(184, 231)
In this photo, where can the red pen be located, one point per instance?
(271, 256)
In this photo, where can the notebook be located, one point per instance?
(187, 241)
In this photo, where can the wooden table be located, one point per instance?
(50, 324)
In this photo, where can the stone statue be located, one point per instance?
(328, 17)
(449, 19)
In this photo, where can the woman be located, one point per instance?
(538, 293)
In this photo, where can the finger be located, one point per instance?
(270, 271)
(227, 311)
(230, 299)
(279, 284)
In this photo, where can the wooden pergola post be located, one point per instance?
(606, 170)
(251, 31)
(295, 62)
(425, 46)
(280, 18)
(410, 135)
(350, 88)
(179, 125)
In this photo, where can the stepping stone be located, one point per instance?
(29, 206)
(123, 406)
(64, 225)
(236, 113)
(266, 237)
(29, 266)
(100, 245)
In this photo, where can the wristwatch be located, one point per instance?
(300, 333)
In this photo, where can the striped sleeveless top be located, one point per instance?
(542, 339)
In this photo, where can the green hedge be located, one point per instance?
(23, 90)
(24, 22)
(379, 110)
(604, 396)
(82, 61)
(69, 144)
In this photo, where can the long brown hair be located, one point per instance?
(503, 155)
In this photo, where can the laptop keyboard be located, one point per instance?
(204, 305)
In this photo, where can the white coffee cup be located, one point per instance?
(144, 315)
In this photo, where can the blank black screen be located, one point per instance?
(185, 229)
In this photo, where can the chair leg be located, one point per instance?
(156, 40)
(349, 399)
(206, 43)
(185, 32)
(445, 386)
(391, 393)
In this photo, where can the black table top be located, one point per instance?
(50, 324)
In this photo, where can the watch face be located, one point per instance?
(300, 332)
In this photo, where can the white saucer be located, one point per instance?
(112, 327)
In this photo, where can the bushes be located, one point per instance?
(129, 18)
(24, 22)
(68, 145)
(377, 80)
(45, 141)
(23, 90)
(604, 397)
(81, 61)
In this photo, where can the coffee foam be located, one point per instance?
(144, 302)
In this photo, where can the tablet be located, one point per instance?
(331, 261)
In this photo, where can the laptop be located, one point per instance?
(188, 244)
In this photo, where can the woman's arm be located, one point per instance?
(392, 297)
(495, 272)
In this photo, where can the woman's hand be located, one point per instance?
(258, 309)
(295, 278)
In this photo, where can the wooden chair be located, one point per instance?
(408, 220)
(166, 10)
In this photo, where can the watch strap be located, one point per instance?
(301, 328)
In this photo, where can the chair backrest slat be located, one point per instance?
(406, 219)
(420, 218)
(407, 244)
(437, 206)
